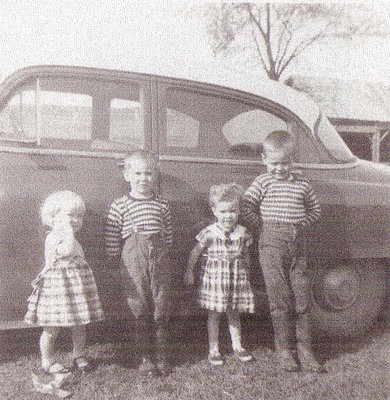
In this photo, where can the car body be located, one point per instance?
(64, 127)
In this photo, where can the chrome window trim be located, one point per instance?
(43, 152)
(182, 159)
(243, 163)
(38, 110)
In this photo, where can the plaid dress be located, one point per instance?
(65, 291)
(224, 282)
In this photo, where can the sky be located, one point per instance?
(110, 33)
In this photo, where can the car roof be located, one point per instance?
(299, 103)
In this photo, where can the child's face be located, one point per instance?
(141, 175)
(226, 213)
(278, 162)
(69, 215)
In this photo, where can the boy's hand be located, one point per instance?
(189, 278)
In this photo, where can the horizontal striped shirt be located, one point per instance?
(128, 215)
(290, 201)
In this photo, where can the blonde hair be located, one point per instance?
(278, 140)
(56, 201)
(141, 155)
(226, 192)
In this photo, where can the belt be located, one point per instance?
(149, 236)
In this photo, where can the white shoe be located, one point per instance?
(215, 359)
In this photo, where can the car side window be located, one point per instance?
(246, 131)
(18, 117)
(177, 136)
(208, 125)
(306, 150)
(126, 122)
(66, 116)
(77, 114)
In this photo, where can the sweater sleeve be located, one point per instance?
(168, 225)
(250, 206)
(312, 207)
(112, 231)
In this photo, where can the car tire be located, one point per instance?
(347, 297)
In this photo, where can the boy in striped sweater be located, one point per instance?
(282, 204)
(139, 231)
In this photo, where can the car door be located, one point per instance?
(59, 130)
(209, 135)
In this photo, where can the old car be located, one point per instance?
(65, 127)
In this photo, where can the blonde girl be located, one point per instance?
(65, 292)
(224, 286)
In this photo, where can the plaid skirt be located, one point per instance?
(225, 286)
(64, 295)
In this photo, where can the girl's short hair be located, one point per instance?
(141, 155)
(56, 201)
(226, 192)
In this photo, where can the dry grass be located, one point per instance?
(357, 370)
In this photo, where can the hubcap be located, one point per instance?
(337, 288)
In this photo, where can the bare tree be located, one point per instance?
(275, 34)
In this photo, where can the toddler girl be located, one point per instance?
(65, 292)
(224, 286)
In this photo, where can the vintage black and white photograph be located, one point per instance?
(194, 200)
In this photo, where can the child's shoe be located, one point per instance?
(148, 367)
(308, 361)
(164, 362)
(81, 364)
(55, 368)
(215, 359)
(164, 359)
(305, 352)
(243, 355)
(165, 367)
(287, 361)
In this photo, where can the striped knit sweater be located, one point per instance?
(128, 215)
(290, 201)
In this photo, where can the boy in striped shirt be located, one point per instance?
(282, 204)
(139, 231)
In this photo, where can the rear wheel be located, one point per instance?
(347, 296)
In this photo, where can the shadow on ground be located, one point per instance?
(327, 348)
(189, 344)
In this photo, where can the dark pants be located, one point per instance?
(283, 262)
(147, 279)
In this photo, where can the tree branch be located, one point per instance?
(279, 32)
(283, 56)
(258, 48)
(253, 19)
(299, 49)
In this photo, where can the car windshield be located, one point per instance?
(332, 141)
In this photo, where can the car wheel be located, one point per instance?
(347, 297)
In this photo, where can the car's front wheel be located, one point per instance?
(347, 296)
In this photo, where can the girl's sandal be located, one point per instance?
(81, 364)
(56, 368)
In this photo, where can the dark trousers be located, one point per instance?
(147, 280)
(283, 262)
